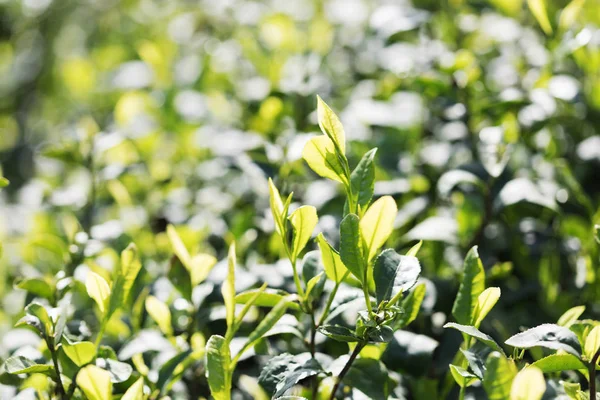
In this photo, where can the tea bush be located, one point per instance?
(187, 218)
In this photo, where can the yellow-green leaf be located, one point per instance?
(319, 154)
(80, 353)
(415, 249)
(178, 246)
(304, 220)
(135, 391)
(95, 383)
(377, 224)
(529, 384)
(485, 302)
(130, 267)
(160, 313)
(570, 316)
(334, 268)
(498, 376)
(276, 207)
(228, 287)
(462, 377)
(569, 14)
(471, 286)
(218, 374)
(200, 267)
(592, 343)
(411, 305)
(539, 11)
(330, 124)
(98, 289)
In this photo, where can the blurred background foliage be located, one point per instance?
(120, 117)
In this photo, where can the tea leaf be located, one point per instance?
(265, 324)
(217, 363)
(200, 267)
(498, 377)
(23, 365)
(529, 384)
(471, 286)
(485, 302)
(334, 268)
(461, 376)
(276, 207)
(165, 374)
(362, 179)
(330, 125)
(80, 353)
(377, 224)
(135, 391)
(477, 334)
(538, 9)
(160, 313)
(351, 246)
(547, 335)
(570, 316)
(411, 306)
(592, 343)
(559, 362)
(339, 333)
(130, 267)
(95, 383)
(267, 298)
(304, 220)
(98, 289)
(37, 286)
(319, 153)
(394, 274)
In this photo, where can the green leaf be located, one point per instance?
(569, 14)
(228, 287)
(180, 277)
(362, 179)
(461, 376)
(276, 207)
(559, 362)
(550, 336)
(485, 302)
(38, 311)
(471, 286)
(98, 289)
(165, 374)
(135, 391)
(319, 153)
(160, 313)
(411, 306)
(570, 316)
(267, 298)
(394, 274)
(178, 246)
(371, 377)
(498, 377)
(339, 333)
(415, 249)
(118, 371)
(351, 246)
(217, 364)
(476, 356)
(37, 286)
(592, 343)
(130, 267)
(200, 267)
(314, 282)
(477, 334)
(538, 9)
(23, 365)
(334, 268)
(310, 368)
(265, 324)
(80, 353)
(95, 383)
(330, 125)
(304, 220)
(377, 224)
(276, 369)
(3, 182)
(529, 384)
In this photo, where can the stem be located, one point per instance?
(592, 370)
(346, 368)
(367, 298)
(461, 395)
(59, 384)
(100, 333)
(330, 300)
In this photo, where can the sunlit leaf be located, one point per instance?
(95, 383)
(23, 365)
(485, 302)
(547, 335)
(135, 391)
(80, 353)
(330, 125)
(319, 154)
(351, 246)
(160, 313)
(570, 316)
(377, 224)
(559, 362)
(304, 220)
(539, 11)
(529, 384)
(461, 376)
(592, 343)
(471, 286)
(334, 268)
(498, 377)
(217, 363)
(98, 289)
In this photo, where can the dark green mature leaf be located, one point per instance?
(351, 246)
(311, 265)
(275, 371)
(410, 353)
(339, 333)
(559, 362)
(380, 334)
(472, 285)
(119, 371)
(498, 377)
(477, 334)
(476, 355)
(308, 369)
(23, 365)
(371, 377)
(394, 273)
(217, 362)
(411, 306)
(268, 298)
(165, 374)
(362, 179)
(551, 336)
(180, 277)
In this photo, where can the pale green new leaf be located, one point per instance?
(592, 343)
(228, 287)
(569, 14)
(539, 11)
(415, 249)
(160, 313)
(498, 376)
(98, 289)
(266, 298)
(130, 267)
(319, 154)
(80, 353)
(304, 220)
(178, 246)
(411, 306)
(529, 384)
(570, 316)
(559, 362)
(351, 246)
(334, 268)
(472, 285)
(217, 363)
(461, 376)
(200, 267)
(95, 383)
(276, 207)
(377, 224)
(135, 391)
(330, 124)
(485, 302)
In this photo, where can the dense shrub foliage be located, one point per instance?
(182, 216)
